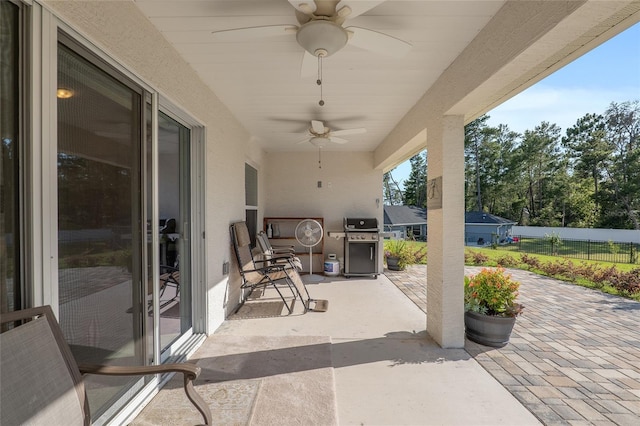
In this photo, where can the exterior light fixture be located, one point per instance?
(63, 93)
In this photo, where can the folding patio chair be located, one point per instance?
(286, 254)
(278, 253)
(258, 273)
(169, 277)
(319, 305)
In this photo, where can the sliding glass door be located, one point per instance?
(117, 304)
(10, 107)
(100, 291)
(174, 200)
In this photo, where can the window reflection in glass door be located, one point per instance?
(174, 209)
(10, 139)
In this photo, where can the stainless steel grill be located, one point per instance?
(361, 247)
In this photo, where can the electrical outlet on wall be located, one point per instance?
(225, 268)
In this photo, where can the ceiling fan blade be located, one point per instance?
(337, 140)
(303, 141)
(309, 66)
(252, 33)
(317, 126)
(377, 42)
(348, 132)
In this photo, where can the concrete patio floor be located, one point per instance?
(384, 369)
(573, 359)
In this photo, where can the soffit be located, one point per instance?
(259, 80)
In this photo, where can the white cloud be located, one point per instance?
(562, 106)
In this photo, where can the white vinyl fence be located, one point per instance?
(615, 235)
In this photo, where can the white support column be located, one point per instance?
(445, 220)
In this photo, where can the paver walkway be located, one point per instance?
(574, 354)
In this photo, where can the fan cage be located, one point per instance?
(309, 229)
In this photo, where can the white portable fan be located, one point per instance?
(309, 233)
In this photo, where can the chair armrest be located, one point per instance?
(278, 258)
(283, 249)
(269, 265)
(190, 372)
(166, 269)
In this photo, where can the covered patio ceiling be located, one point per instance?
(466, 57)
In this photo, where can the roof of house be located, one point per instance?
(405, 215)
(486, 218)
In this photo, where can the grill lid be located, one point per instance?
(361, 224)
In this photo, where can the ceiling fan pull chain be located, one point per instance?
(319, 80)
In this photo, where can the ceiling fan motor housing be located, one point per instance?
(321, 37)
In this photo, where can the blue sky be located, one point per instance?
(609, 73)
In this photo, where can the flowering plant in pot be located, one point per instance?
(490, 306)
(397, 254)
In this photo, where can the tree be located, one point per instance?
(539, 153)
(588, 150)
(415, 187)
(621, 203)
(500, 181)
(492, 172)
(393, 195)
(475, 134)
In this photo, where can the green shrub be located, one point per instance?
(507, 260)
(399, 249)
(478, 258)
(491, 292)
(531, 261)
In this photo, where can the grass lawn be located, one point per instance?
(581, 250)
(494, 256)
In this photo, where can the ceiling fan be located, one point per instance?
(321, 32)
(319, 134)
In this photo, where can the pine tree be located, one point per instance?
(415, 187)
(392, 193)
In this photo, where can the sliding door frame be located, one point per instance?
(40, 206)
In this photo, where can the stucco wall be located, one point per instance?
(350, 188)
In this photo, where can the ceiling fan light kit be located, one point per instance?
(318, 141)
(322, 38)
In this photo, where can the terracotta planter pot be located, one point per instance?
(488, 330)
(392, 263)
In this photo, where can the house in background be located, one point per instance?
(481, 228)
(406, 222)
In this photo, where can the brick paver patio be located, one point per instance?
(574, 354)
